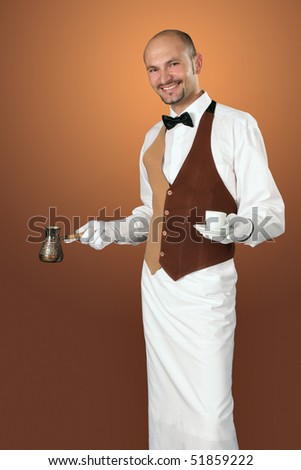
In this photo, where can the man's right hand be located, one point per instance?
(96, 233)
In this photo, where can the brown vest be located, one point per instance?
(173, 242)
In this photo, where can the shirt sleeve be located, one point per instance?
(258, 197)
(134, 228)
(145, 189)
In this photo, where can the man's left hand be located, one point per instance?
(235, 229)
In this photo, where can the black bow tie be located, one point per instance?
(172, 122)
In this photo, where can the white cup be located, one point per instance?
(215, 220)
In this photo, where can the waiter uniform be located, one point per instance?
(189, 284)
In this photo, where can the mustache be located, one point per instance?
(172, 82)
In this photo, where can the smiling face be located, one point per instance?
(172, 72)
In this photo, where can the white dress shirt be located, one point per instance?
(240, 158)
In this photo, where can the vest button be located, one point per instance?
(164, 233)
(161, 253)
(166, 212)
(169, 192)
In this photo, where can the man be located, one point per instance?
(206, 156)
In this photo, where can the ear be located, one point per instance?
(198, 61)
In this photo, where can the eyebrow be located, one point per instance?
(174, 59)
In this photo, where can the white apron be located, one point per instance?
(189, 334)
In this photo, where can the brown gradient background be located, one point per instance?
(72, 349)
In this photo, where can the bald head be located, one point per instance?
(173, 66)
(177, 34)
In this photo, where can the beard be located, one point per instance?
(173, 100)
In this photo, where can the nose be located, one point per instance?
(165, 76)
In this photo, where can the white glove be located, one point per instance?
(235, 229)
(99, 233)
(96, 233)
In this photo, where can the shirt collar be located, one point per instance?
(196, 109)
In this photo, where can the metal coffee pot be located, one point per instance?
(51, 250)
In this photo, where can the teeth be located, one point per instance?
(169, 87)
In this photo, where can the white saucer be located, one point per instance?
(213, 233)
